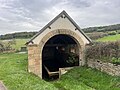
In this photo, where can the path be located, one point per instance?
(2, 86)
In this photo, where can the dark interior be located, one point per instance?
(57, 51)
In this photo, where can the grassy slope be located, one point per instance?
(19, 43)
(110, 38)
(91, 77)
(13, 71)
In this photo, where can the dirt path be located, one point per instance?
(2, 86)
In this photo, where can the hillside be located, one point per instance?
(15, 44)
(24, 35)
(18, 40)
(109, 38)
(14, 74)
(115, 27)
(18, 35)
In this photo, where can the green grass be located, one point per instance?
(19, 43)
(91, 77)
(110, 38)
(70, 81)
(13, 72)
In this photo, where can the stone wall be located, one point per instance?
(109, 68)
(34, 59)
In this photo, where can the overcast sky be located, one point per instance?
(32, 15)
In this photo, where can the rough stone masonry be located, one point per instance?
(109, 68)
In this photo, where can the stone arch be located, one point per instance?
(70, 33)
(55, 27)
(61, 31)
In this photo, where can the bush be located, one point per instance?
(104, 51)
(72, 60)
(6, 46)
(118, 32)
(96, 35)
(112, 33)
(116, 61)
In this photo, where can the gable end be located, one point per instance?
(63, 15)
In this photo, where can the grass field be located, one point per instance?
(90, 77)
(13, 72)
(110, 38)
(19, 43)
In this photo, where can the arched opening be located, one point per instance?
(60, 51)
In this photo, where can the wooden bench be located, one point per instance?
(51, 73)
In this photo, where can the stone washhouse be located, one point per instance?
(49, 49)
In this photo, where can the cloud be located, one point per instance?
(32, 15)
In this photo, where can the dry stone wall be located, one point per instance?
(109, 68)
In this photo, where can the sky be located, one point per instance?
(32, 15)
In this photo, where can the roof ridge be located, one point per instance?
(53, 20)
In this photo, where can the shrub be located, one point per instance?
(6, 46)
(116, 61)
(112, 33)
(72, 60)
(96, 35)
(104, 51)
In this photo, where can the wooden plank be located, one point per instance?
(51, 73)
(64, 70)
